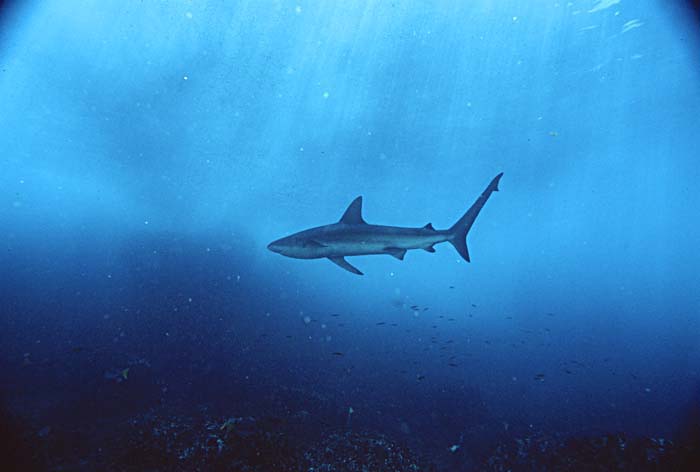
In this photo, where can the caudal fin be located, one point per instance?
(458, 231)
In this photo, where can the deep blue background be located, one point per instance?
(150, 151)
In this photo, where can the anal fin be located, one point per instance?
(397, 252)
(340, 261)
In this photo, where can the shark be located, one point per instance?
(353, 236)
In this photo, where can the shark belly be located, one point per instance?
(380, 240)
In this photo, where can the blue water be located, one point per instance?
(151, 150)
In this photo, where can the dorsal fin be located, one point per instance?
(429, 226)
(353, 215)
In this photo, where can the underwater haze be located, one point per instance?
(152, 150)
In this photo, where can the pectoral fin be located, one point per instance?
(345, 265)
(429, 248)
(397, 252)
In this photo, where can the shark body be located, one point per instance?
(353, 236)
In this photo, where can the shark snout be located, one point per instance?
(277, 246)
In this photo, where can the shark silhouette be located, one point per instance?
(352, 236)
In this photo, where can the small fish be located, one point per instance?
(229, 425)
(381, 323)
(539, 377)
(118, 375)
(452, 364)
(335, 315)
(420, 377)
(452, 286)
(338, 353)
(473, 305)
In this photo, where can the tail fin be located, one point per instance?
(458, 231)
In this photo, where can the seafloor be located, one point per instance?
(163, 439)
